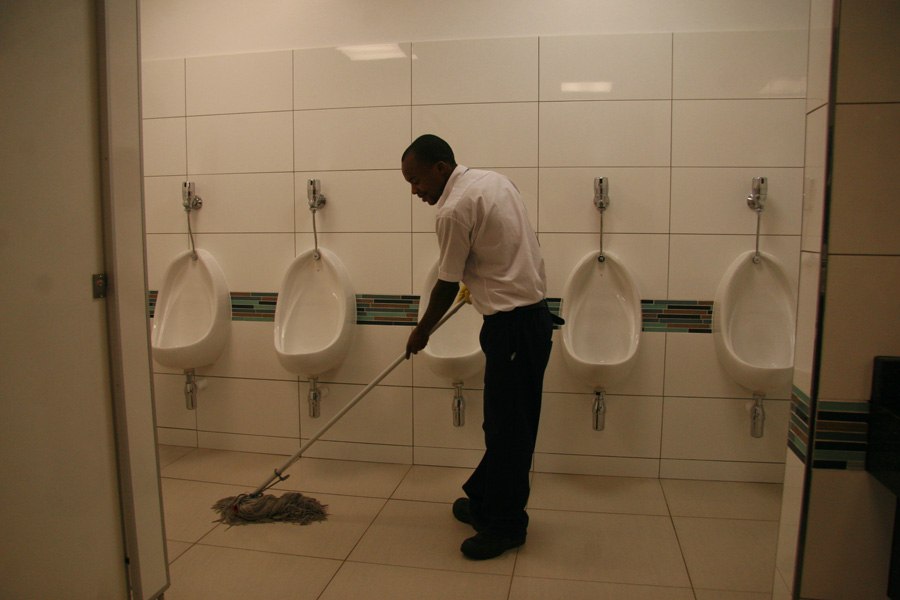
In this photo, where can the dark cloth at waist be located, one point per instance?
(541, 304)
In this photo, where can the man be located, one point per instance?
(487, 243)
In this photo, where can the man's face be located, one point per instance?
(427, 181)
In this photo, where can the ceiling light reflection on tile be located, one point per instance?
(373, 52)
(596, 87)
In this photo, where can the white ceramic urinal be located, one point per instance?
(602, 309)
(315, 314)
(753, 323)
(453, 351)
(192, 320)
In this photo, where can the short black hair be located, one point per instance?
(430, 149)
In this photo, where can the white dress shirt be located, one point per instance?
(487, 241)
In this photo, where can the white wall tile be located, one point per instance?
(164, 145)
(252, 262)
(243, 203)
(864, 212)
(483, 135)
(818, 78)
(707, 200)
(721, 470)
(633, 425)
(241, 143)
(162, 88)
(639, 200)
(612, 466)
(860, 321)
(168, 399)
(606, 67)
(698, 262)
(814, 180)
(253, 407)
(718, 428)
(329, 78)
(434, 419)
(176, 437)
(350, 138)
(733, 133)
(461, 71)
(239, 83)
(692, 369)
(374, 453)
(356, 201)
(383, 416)
(868, 56)
(163, 208)
(378, 263)
(263, 444)
(250, 354)
(615, 134)
(373, 349)
(807, 317)
(740, 64)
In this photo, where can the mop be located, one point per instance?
(293, 507)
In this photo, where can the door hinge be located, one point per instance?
(98, 285)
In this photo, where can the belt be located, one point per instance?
(537, 305)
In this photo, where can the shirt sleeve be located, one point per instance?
(454, 242)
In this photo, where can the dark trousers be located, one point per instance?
(517, 347)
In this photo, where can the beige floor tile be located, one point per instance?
(348, 519)
(629, 495)
(169, 454)
(729, 554)
(174, 549)
(209, 573)
(529, 588)
(373, 582)
(423, 534)
(611, 548)
(187, 507)
(432, 484)
(723, 595)
(375, 480)
(723, 499)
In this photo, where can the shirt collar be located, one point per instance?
(451, 181)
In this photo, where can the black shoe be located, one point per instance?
(463, 514)
(487, 545)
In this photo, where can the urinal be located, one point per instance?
(753, 323)
(192, 319)
(453, 351)
(602, 309)
(315, 314)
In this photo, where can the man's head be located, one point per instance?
(427, 165)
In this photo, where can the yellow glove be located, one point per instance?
(463, 294)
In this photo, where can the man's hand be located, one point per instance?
(417, 340)
(440, 299)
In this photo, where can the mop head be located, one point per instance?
(292, 507)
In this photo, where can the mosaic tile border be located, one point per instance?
(677, 316)
(841, 435)
(798, 428)
(667, 316)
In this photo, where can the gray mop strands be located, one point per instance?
(292, 507)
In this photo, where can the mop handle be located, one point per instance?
(346, 409)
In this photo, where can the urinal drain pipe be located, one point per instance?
(599, 411)
(459, 405)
